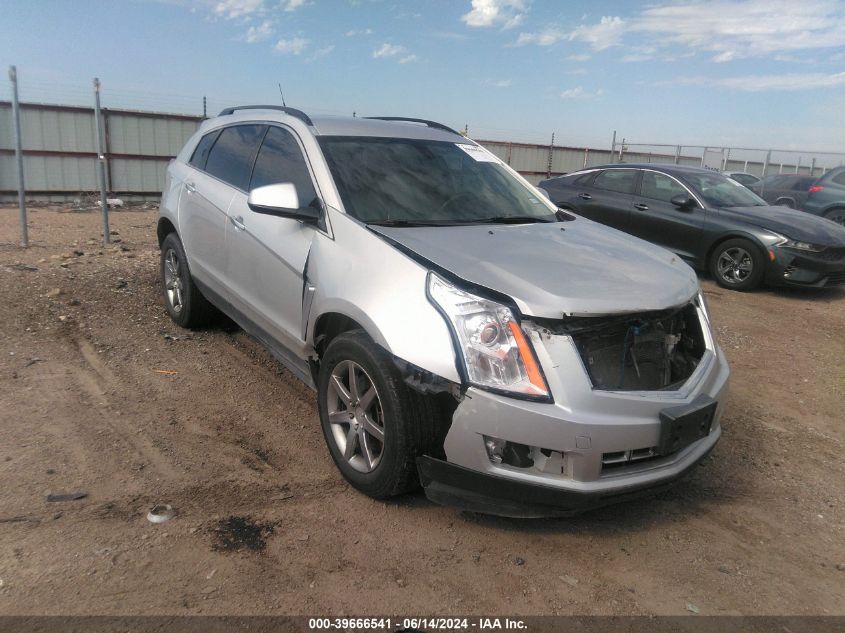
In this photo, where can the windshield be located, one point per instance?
(719, 191)
(410, 181)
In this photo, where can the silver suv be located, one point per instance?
(460, 331)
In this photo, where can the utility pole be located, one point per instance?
(613, 148)
(204, 108)
(16, 115)
(101, 162)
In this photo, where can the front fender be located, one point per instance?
(361, 276)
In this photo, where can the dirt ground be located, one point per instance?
(101, 393)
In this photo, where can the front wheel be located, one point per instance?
(374, 424)
(737, 264)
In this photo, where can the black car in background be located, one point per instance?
(827, 196)
(788, 190)
(711, 221)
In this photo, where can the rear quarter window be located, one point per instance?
(201, 151)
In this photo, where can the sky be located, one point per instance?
(753, 73)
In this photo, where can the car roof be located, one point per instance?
(667, 167)
(339, 126)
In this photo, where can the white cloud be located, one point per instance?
(757, 83)
(259, 33)
(608, 32)
(293, 5)
(748, 28)
(231, 9)
(322, 52)
(579, 93)
(408, 59)
(725, 29)
(354, 32)
(498, 83)
(578, 58)
(295, 46)
(504, 13)
(389, 50)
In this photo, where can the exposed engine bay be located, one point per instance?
(647, 351)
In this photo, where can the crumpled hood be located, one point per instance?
(798, 225)
(585, 269)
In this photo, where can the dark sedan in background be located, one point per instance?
(827, 196)
(787, 190)
(711, 221)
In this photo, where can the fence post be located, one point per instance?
(551, 150)
(16, 115)
(813, 167)
(677, 154)
(798, 165)
(586, 155)
(726, 155)
(613, 148)
(765, 169)
(101, 162)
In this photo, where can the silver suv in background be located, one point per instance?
(460, 331)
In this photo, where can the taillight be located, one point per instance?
(815, 189)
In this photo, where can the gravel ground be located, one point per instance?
(100, 393)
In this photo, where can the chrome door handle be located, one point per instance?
(191, 187)
(585, 196)
(641, 206)
(238, 222)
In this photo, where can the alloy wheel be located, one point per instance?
(355, 416)
(735, 265)
(173, 280)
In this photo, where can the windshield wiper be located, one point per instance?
(404, 223)
(509, 219)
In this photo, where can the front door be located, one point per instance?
(657, 220)
(608, 199)
(266, 254)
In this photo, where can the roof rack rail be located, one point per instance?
(299, 114)
(432, 124)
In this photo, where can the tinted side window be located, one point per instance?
(618, 180)
(200, 155)
(660, 187)
(280, 160)
(839, 178)
(232, 156)
(584, 179)
(745, 179)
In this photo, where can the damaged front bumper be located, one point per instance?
(588, 448)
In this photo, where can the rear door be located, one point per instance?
(267, 254)
(608, 198)
(657, 220)
(202, 216)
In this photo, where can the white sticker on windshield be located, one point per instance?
(478, 153)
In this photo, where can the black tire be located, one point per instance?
(409, 419)
(194, 310)
(836, 215)
(785, 202)
(742, 280)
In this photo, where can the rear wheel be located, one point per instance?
(737, 264)
(837, 215)
(785, 202)
(374, 424)
(183, 300)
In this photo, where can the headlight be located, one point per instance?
(798, 245)
(495, 351)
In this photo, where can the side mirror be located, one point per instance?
(281, 200)
(683, 202)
